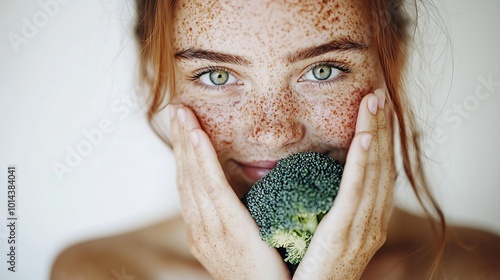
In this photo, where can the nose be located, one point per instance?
(275, 123)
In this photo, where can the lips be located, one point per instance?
(257, 169)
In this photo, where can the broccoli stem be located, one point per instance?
(310, 221)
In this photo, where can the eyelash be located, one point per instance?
(337, 65)
(341, 66)
(198, 73)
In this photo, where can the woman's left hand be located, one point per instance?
(356, 226)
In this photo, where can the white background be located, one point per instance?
(78, 68)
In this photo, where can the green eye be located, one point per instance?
(322, 72)
(218, 77)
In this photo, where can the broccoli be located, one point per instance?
(289, 202)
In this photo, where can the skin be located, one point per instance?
(224, 237)
(272, 109)
(269, 106)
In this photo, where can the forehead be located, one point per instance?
(270, 26)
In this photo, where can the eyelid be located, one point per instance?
(211, 89)
(337, 65)
(200, 72)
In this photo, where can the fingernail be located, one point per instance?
(381, 98)
(171, 111)
(373, 104)
(181, 114)
(365, 141)
(194, 138)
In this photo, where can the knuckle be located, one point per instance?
(381, 124)
(195, 246)
(382, 120)
(378, 239)
(195, 250)
(390, 174)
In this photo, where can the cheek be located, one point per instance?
(217, 119)
(333, 121)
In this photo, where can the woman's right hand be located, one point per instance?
(222, 234)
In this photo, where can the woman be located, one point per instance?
(256, 81)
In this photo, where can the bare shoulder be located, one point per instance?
(157, 251)
(410, 251)
(472, 253)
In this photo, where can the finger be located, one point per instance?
(387, 166)
(369, 221)
(174, 136)
(351, 188)
(186, 198)
(193, 172)
(367, 123)
(189, 204)
(223, 198)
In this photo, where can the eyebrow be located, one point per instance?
(342, 44)
(189, 54)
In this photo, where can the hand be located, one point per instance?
(356, 226)
(223, 235)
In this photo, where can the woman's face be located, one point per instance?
(269, 78)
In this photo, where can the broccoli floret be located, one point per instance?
(290, 201)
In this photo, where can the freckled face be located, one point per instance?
(267, 78)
